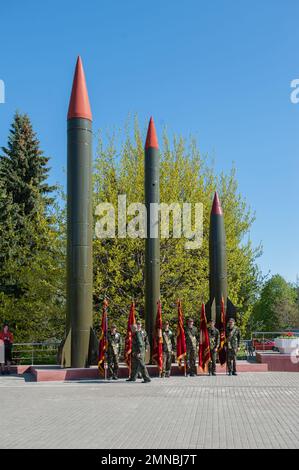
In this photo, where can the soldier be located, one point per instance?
(146, 343)
(214, 338)
(168, 349)
(191, 346)
(232, 346)
(114, 339)
(137, 356)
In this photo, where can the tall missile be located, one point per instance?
(80, 343)
(152, 241)
(218, 266)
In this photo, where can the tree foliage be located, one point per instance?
(31, 245)
(185, 177)
(277, 307)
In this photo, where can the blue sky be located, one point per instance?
(219, 70)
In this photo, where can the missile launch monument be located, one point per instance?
(80, 346)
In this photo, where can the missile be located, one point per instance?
(80, 344)
(152, 240)
(218, 266)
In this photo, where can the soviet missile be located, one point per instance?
(80, 343)
(152, 240)
(218, 266)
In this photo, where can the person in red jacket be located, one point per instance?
(7, 337)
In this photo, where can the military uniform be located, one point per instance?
(113, 354)
(191, 349)
(232, 345)
(138, 347)
(146, 345)
(168, 348)
(214, 338)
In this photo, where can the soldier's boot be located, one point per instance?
(130, 380)
(230, 372)
(163, 375)
(146, 380)
(234, 373)
(115, 373)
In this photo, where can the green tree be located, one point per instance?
(277, 308)
(32, 239)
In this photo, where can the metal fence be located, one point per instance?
(35, 353)
(46, 352)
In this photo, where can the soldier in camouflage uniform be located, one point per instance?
(168, 349)
(146, 342)
(137, 356)
(113, 338)
(191, 347)
(214, 338)
(232, 346)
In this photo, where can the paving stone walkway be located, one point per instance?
(248, 411)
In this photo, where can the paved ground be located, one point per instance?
(249, 411)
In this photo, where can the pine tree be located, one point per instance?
(32, 239)
(24, 168)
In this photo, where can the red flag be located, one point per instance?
(222, 326)
(128, 341)
(180, 340)
(158, 340)
(103, 344)
(204, 353)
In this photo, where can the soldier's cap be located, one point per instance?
(138, 322)
(113, 325)
(231, 319)
(190, 319)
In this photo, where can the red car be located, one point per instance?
(264, 345)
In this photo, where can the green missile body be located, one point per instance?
(80, 345)
(152, 241)
(218, 266)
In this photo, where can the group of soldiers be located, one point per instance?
(140, 345)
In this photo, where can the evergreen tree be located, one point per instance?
(32, 239)
(24, 168)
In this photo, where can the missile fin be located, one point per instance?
(231, 309)
(93, 353)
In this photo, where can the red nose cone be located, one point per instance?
(151, 138)
(216, 208)
(79, 106)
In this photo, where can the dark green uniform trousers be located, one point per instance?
(138, 366)
(212, 363)
(167, 360)
(191, 361)
(112, 361)
(231, 360)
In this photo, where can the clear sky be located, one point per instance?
(219, 70)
